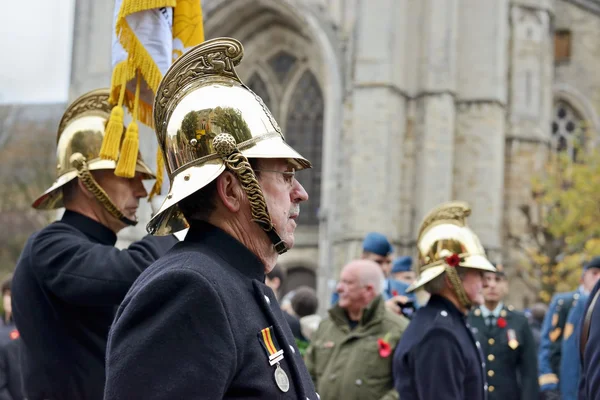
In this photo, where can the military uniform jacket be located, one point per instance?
(347, 364)
(190, 328)
(553, 332)
(589, 384)
(67, 286)
(438, 357)
(511, 355)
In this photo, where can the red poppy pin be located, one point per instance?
(14, 334)
(453, 260)
(384, 348)
(501, 323)
(394, 293)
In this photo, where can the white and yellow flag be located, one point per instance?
(148, 36)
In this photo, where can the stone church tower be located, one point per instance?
(401, 105)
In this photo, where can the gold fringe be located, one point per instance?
(113, 134)
(131, 145)
(160, 166)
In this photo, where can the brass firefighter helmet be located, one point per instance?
(445, 241)
(207, 120)
(79, 139)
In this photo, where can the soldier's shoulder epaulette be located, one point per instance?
(514, 313)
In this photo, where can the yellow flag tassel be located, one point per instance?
(114, 129)
(131, 144)
(160, 166)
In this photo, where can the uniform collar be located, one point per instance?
(228, 248)
(495, 312)
(94, 230)
(440, 302)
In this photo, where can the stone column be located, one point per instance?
(374, 127)
(529, 109)
(435, 108)
(480, 120)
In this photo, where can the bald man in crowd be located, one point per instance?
(350, 356)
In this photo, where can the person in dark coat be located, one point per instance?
(555, 329)
(11, 377)
(588, 338)
(8, 328)
(201, 323)
(70, 278)
(507, 343)
(438, 357)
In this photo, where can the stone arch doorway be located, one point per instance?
(299, 276)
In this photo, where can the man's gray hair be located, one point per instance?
(437, 284)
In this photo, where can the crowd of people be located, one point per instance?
(205, 317)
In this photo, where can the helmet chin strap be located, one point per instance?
(226, 146)
(78, 161)
(458, 287)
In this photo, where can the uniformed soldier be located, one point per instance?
(554, 329)
(402, 270)
(438, 356)
(507, 343)
(201, 323)
(586, 338)
(70, 278)
(351, 353)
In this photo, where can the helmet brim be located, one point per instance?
(169, 219)
(52, 198)
(475, 261)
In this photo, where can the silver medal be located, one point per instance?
(283, 383)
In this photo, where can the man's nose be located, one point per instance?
(139, 189)
(298, 193)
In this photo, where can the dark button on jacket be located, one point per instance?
(66, 288)
(189, 328)
(437, 357)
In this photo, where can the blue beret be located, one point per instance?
(377, 243)
(595, 263)
(402, 264)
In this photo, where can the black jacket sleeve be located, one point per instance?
(4, 375)
(439, 367)
(87, 273)
(528, 365)
(160, 344)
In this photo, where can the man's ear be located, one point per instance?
(84, 190)
(230, 191)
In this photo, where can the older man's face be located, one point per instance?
(283, 194)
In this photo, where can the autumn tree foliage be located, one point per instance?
(563, 223)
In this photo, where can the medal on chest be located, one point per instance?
(268, 341)
(513, 343)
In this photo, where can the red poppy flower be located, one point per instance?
(384, 348)
(453, 260)
(394, 293)
(14, 334)
(501, 323)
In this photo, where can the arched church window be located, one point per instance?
(282, 63)
(304, 132)
(568, 132)
(258, 86)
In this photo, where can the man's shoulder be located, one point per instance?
(515, 314)
(395, 321)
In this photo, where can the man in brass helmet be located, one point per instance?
(70, 278)
(438, 356)
(201, 322)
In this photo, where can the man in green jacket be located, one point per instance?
(350, 356)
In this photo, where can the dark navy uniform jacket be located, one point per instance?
(589, 381)
(67, 286)
(511, 367)
(190, 328)
(438, 357)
